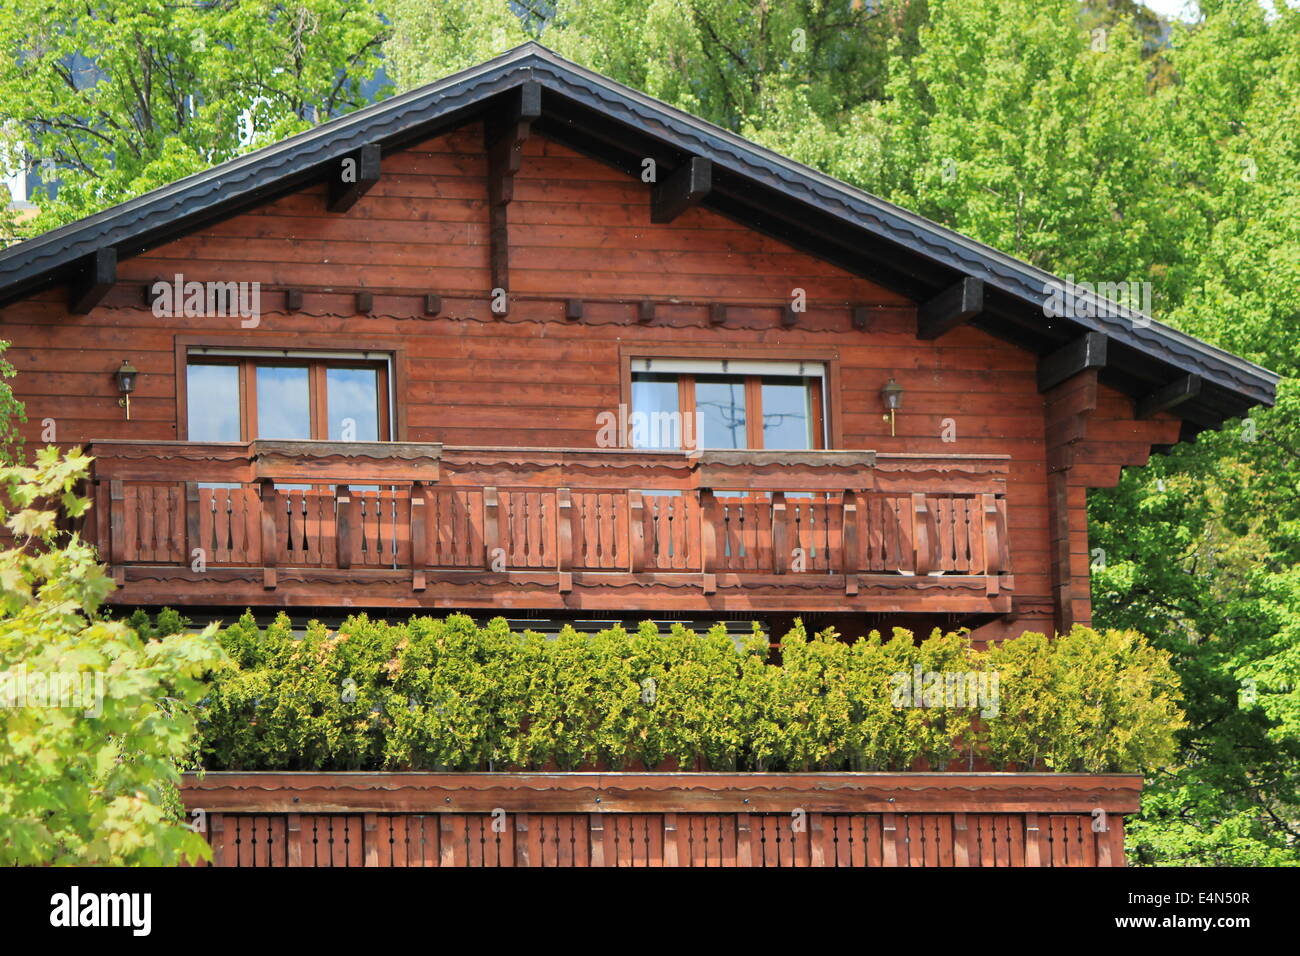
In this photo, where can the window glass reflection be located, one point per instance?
(787, 413)
(212, 402)
(720, 402)
(283, 402)
(353, 399)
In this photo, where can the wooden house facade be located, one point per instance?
(528, 342)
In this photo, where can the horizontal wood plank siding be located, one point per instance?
(578, 230)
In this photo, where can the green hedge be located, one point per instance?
(447, 694)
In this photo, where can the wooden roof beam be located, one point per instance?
(954, 306)
(505, 132)
(686, 187)
(1171, 396)
(353, 178)
(95, 275)
(1088, 351)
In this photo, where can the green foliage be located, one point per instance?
(133, 95)
(1086, 701)
(727, 62)
(95, 721)
(447, 694)
(1170, 155)
(12, 413)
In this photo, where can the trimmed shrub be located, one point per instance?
(1087, 701)
(449, 694)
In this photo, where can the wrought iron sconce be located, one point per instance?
(892, 396)
(126, 385)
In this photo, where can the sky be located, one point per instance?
(1173, 9)
(1182, 9)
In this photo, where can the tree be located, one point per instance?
(1203, 547)
(116, 100)
(731, 63)
(96, 722)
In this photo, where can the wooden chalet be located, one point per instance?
(439, 347)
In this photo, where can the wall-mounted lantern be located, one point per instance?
(126, 385)
(892, 396)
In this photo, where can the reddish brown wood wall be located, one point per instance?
(578, 230)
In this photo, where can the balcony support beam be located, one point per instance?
(1086, 352)
(346, 518)
(954, 306)
(851, 545)
(1070, 406)
(94, 277)
(1171, 396)
(353, 178)
(685, 187)
(270, 543)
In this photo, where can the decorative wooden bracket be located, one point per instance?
(1171, 396)
(684, 188)
(955, 305)
(353, 177)
(94, 276)
(1088, 351)
(504, 133)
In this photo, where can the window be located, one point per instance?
(757, 404)
(239, 397)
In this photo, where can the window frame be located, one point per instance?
(825, 403)
(317, 354)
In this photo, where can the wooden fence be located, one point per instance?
(658, 819)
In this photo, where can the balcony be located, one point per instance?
(400, 524)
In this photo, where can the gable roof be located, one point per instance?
(753, 185)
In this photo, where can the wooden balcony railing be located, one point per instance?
(271, 522)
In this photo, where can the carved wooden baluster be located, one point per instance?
(420, 510)
(193, 523)
(491, 526)
(269, 549)
(564, 539)
(636, 532)
(780, 533)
